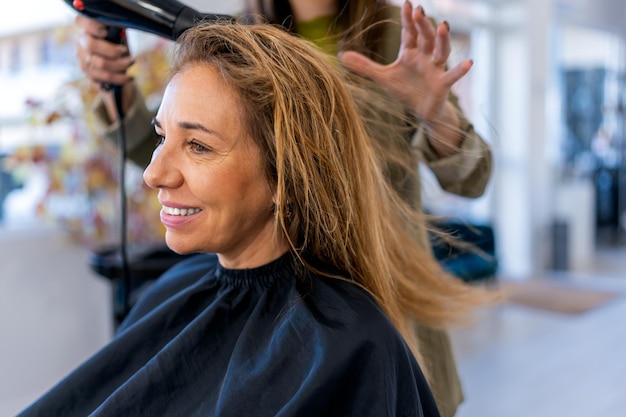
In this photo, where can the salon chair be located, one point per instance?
(145, 265)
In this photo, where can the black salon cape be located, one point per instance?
(209, 341)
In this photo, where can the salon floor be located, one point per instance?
(516, 362)
(520, 361)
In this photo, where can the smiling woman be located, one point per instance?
(310, 276)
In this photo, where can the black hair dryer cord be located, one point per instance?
(117, 35)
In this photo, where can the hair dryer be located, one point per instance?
(166, 18)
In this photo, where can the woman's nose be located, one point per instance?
(162, 172)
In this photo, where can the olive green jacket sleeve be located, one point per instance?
(465, 173)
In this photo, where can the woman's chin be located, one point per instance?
(179, 247)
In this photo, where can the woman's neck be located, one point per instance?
(305, 10)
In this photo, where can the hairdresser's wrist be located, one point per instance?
(444, 133)
(136, 124)
(128, 98)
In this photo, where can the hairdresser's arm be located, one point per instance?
(106, 62)
(465, 173)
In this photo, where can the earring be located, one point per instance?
(288, 212)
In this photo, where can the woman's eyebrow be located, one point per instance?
(190, 126)
(196, 126)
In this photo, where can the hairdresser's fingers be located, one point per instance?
(98, 46)
(425, 29)
(456, 73)
(362, 65)
(100, 54)
(409, 32)
(99, 77)
(103, 61)
(114, 64)
(91, 27)
(442, 49)
(100, 69)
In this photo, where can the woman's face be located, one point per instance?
(209, 174)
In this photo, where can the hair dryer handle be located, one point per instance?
(116, 35)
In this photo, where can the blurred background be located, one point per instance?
(547, 92)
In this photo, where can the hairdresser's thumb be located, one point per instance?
(361, 64)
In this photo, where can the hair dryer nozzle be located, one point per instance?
(166, 18)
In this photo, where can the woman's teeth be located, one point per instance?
(175, 211)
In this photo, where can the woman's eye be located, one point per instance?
(159, 139)
(198, 148)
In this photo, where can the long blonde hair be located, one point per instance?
(333, 197)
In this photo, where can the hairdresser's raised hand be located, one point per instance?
(102, 61)
(419, 78)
